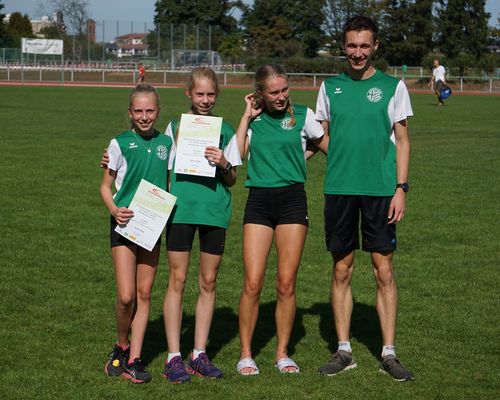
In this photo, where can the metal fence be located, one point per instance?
(103, 73)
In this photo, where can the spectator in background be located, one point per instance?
(438, 73)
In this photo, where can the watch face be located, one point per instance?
(405, 187)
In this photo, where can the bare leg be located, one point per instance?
(290, 239)
(147, 263)
(209, 266)
(125, 270)
(342, 294)
(387, 295)
(178, 262)
(257, 241)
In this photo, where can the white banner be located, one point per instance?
(42, 46)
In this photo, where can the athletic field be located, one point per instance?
(57, 283)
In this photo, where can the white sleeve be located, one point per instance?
(232, 152)
(115, 155)
(173, 149)
(312, 128)
(400, 109)
(322, 105)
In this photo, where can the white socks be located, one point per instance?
(345, 346)
(197, 352)
(388, 351)
(172, 355)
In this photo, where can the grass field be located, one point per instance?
(57, 284)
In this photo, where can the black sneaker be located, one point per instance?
(393, 367)
(203, 367)
(136, 372)
(341, 361)
(117, 359)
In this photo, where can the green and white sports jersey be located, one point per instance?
(277, 149)
(203, 200)
(362, 150)
(134, 158)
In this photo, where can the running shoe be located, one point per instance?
(116, 360)
(339, 362)
(135, 372)
(393, 367)
(203, 367)
(175, 371)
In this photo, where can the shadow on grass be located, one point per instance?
(365, 327)
(224, 329)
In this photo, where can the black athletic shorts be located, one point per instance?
(342, 223)
(277, 206)
(118, 240)
(180, 238)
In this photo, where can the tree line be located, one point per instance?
(306, 35)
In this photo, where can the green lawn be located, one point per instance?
(57, 284)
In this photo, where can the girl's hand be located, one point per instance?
(254, 105)
(123, 215)
(104, 160)
(215, 156)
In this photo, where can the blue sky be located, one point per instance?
(134, 13)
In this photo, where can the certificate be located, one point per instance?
(152, 207)
(196, 132)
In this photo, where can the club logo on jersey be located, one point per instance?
(286, 123)
(132, 145)
(374, 95)
(161, 152)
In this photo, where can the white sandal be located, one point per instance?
(287, 362)
(247, 362)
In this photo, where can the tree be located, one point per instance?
(175, 15)
(75, 14)
(19, 26)
(5, 38)
(283, 28)
(337, 12)
(406, 31)
(463, 27)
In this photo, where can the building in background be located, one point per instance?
(129, 45)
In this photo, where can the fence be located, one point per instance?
(103, 73)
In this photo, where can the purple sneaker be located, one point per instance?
(203, 367)
(175, 371)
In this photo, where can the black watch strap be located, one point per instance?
(227, 168)
(405, 186)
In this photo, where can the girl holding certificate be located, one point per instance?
(274, 133)
(138, 153)
(203, 205)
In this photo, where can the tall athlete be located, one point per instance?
(141, 152)
(365, 112)
(274, 133)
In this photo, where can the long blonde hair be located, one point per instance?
(267, 71)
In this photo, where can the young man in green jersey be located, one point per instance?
(365, 112)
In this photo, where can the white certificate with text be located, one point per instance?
(152, 207)
(196, 132)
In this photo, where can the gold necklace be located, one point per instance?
(148, 149)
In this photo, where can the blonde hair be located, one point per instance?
(267, 71)
(203, 73)
(142, 88)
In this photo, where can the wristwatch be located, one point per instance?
(227, 168)
(405, 186)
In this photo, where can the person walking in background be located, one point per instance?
(274, 132)
(438, 76)
(203, 205)
(138, 153)
(365, 112)
(142, 72)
